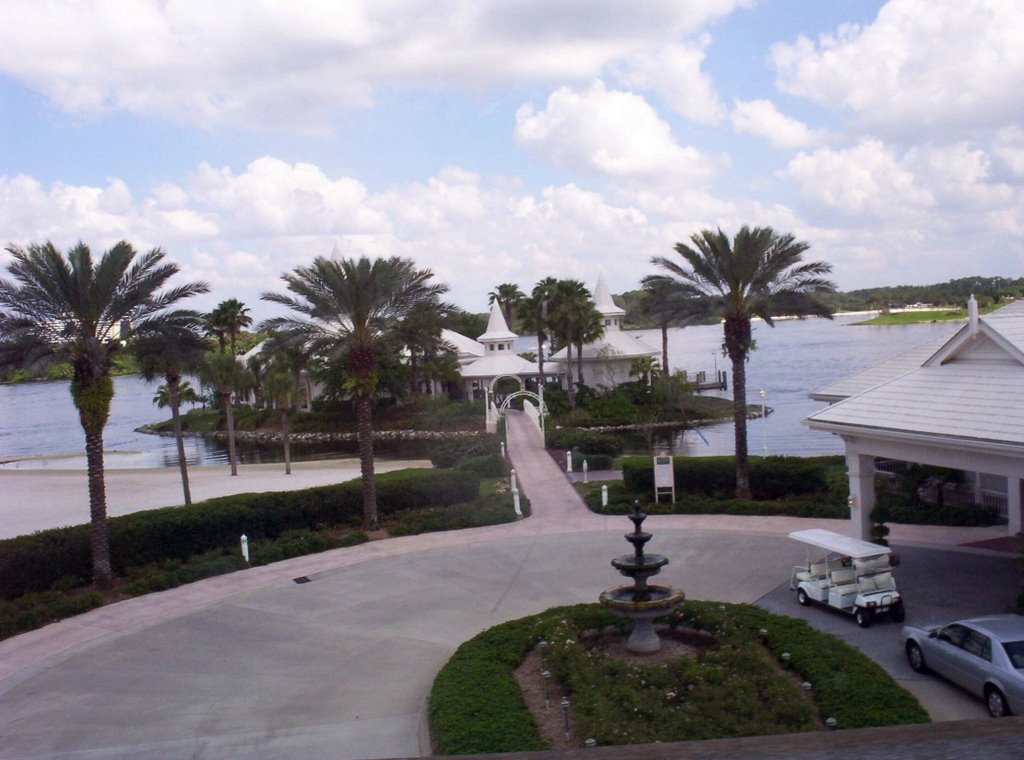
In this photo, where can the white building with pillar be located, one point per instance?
(956, 403)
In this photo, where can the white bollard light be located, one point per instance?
(568, 461)
(245, 547)
(515, 502)
(604, 496)
(512, 478)
(502, 449)
(585, 471)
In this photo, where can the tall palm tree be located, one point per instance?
(224, 373)
(759, 274)
(228, 319)
(660, 303)
(350, 308)
(420, 333)
(534, 317)
(176, 348)
(76, 309)
(281, 387)
(570, 316)
(509, 298)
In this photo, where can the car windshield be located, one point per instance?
(1015, 651)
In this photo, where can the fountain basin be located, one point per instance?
(619, 601)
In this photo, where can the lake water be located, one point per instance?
(39, 425)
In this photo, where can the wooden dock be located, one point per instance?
(707, 381)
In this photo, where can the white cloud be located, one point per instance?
(762, 119)
(269, 64)
(272, 197)
(611, 133)
(674, 72)
(946, 68)
(1009, 148)
(865, 180)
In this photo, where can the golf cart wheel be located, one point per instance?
(916, 657)
(863, 617)
(802, 598)
(996, 703)
(899, 613)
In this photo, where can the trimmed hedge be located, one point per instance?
(588, 441)
(476, 705)
(38, 561)
(620, 502)
(770, 477)
(451, 452)
(594, 461)
(486, 466)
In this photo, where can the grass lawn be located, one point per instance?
(914, 317)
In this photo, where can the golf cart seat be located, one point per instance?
(815, 572)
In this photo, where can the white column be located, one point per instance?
(1014, 510)
(861, 469)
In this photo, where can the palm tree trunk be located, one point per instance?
(737, 342)
(286, 434)
(225, 393)
(664, 348)
(364, 432)
(579, 362)
(99, 533)
(175, 402)
(568, 375)
(540, 358)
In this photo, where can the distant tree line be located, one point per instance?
(987, 290)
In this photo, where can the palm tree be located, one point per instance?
(74, 309)
(644, 367)
(186, 395)
(509, 298)
(224, 374)
(281, 387)
(535, 317)
(570, 317)
(659, 302)
(228, 319)
(176, 348)
(350, 308)
(420, 333)
(760, 274)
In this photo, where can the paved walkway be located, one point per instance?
(254, 665)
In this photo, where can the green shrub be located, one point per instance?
(451, 452)
(898, 511)
(770, 477)
(486, 466)
(733, 690)
(594, 461)
(38, 609)
(565, 439)
(486, 510)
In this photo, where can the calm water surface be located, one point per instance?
(39, 426)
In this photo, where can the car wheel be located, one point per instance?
(899, 612)
(802, 598)
(863, 617)
(996, 703)
(916, 657)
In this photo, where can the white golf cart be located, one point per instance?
(854, 577)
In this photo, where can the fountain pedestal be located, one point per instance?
(641, 602)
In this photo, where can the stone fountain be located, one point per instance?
(641, 602)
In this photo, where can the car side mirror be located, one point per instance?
(933, 634)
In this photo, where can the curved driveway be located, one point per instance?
(257, 665)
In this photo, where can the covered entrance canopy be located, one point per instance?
(956, 403)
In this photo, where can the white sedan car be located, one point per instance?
(983, 655)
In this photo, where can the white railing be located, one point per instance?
(532, 412)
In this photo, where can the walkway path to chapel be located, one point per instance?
(255, 665)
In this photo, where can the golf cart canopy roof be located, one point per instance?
(838, 543)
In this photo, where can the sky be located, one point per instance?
(501, 141)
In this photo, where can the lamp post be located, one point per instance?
(764, 422)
